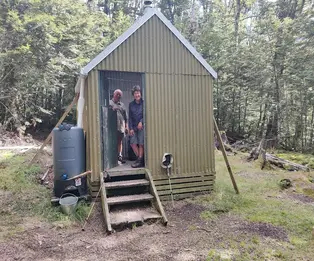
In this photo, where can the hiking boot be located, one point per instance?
(139, 163)
(121, 159)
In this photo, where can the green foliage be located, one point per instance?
(263, 52)
(264, 58)
(173, 9)
(43, 46)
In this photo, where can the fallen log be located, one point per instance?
(260, 153)
(285, 164)
(243, 145)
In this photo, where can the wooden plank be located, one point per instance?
(94, 183)
(129, 199)
(126, 183)
(185, 185)
(94, 189)
(180, 176)
(119, 173)
(93, 186)
(154, 192)
(185, 190)
(133, 216)
(183, 180)
(80, 175)
(127, 166)
(184, 195)
(104, 203)
(222, 147)
(94, 194)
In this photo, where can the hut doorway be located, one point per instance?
(109, 82)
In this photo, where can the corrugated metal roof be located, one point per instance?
(142, 20)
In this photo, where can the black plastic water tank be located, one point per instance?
(68, 144)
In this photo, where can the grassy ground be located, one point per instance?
(264, 222)
(22, 197)
(261, 200)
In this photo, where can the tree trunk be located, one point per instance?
(239, 113)
(233, 110)
(261, 132)
(312, 128)
(257, 133)
(244, 114)
(236, 20)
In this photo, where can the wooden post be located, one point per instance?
(59, 122)
(225, 157)
(104, 204)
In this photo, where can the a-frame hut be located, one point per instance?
(177, 86)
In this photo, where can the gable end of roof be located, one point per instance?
(142, 20)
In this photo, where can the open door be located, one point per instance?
(109, 130)
(109, 81)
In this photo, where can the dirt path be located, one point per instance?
(187, 237)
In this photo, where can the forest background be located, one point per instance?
(262, 50)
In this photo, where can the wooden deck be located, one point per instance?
(121, 169)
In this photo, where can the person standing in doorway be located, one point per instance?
(136, 126)
(122, 120)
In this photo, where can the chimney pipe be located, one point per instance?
(147, 4)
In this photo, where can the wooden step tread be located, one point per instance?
(126, 183)
(133, 216)
(129, 172)
(129, 199)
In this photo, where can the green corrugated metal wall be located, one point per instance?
(153, 48)
(178, 99)
(179, 121)
(93, 143)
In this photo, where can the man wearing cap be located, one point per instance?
(136, 126)
(122, 120)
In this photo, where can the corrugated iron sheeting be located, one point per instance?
(93, 134)
(153, 48)
(178, 101)
(86, 122)
(179, 121)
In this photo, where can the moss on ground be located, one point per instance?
(300, 158)
(260, 200)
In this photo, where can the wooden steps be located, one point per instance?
(124, 173)
(129, 199)
(126, 183)
(131, 216)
